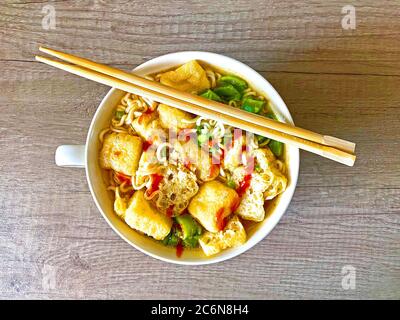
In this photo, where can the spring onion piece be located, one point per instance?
(231, 184)
(211, 95)
(191, 230)
(119, 114)
(164, 152)
(188, 225)
(263, 144)
(237, 82)
(227, 92)
(271, 116)
(202, 138)
(172, 239)
(276, 147)
(262, 141)
(252, 105)
(191, 242)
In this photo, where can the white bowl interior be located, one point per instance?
(103, 197)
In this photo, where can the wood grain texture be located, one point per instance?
(339, 82)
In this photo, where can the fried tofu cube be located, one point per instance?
(252, 202)
(141, 215)
(264, 158)
(201, 160)
(120, 205)
(149, 128)
(233, 235)
(177, 187)
(264, 185)
(272, 171)
(189, 77)
(173, 118)
(141, 124)
(251, 205)
(212, 204)
(121, 152)
(233, 154)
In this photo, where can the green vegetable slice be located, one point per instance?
(252, 105)
(228, 92)
(211, 95)
(231, 184)
(271, 116)
(119, 114)
(202, 138)
(191, 230)
(189, 226)
(262, 141)
(171, 239)
(191, 242)
(276, 147)
(235, 81)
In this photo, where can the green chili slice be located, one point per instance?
(252, 105)
(228, 92)
(235, 81)
(211, 95)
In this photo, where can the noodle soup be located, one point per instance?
(186, 181)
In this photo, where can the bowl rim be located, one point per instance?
(294, 164)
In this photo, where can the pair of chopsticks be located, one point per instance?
(326, 146)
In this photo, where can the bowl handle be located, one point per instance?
(71, 156)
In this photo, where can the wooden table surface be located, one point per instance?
(346, 83)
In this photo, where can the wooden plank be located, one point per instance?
(342, 83)
(269, 35)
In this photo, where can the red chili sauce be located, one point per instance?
(170, 211)
(221, 221)
(123, 178)
(244, 185)
(155, 184)
(179, 250)
(147, 144)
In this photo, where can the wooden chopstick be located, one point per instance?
(325, 151)
(209, 104)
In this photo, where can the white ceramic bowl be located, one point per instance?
(73, 156)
